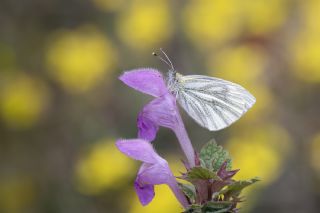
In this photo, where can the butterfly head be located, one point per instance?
(173, 77)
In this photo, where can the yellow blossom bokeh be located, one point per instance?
(310, 15)
(241, 64)
(211, 21)
(263, 16)
(23, 100)
(102, 168)
(304, 47)
(260, 152)
(305, 56)
(145, 24)
(80, 59)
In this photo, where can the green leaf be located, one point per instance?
(216, 207)
(194, 208)
(225, 210)
(218, 204)
(214, 156)
(201, 173)
(189, 190)
(211, 207)
(235, 188)
(202, 163)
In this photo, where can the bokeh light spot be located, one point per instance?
(209, 22)
(23, 100)
(263, 16)
(103, 167)
(304, 48)
(260, 152)
(306, 54)
(146, 24)
(80, 59)
(241, 64)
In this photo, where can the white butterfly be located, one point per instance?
(212, 102)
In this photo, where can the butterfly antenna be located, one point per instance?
(162, 59)
(168, 59)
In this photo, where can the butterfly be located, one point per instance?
(212, 102)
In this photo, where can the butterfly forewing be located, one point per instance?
(212, 102)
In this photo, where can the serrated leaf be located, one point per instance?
(201, 173)
(219, 204)
(235, 188)
(194, 208)
(214, 156)
(226, 210)
(211, 207)
(202, 163)
(189, 190)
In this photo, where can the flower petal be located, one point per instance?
(146, 80)
(147, 129)
(145, 192)
(155, 173)
(148, 176)
(138, 149)
(161, 111)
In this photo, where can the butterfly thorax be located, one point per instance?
(174, 81)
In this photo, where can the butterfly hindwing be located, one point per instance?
(212, 102)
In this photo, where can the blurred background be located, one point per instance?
(62, 106)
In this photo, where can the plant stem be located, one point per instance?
(184, 141)
(178, 193)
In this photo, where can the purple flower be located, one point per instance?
(153, 171)
(146, 80)
(162, 111)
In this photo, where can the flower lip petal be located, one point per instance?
(138, 149)
(145, 193)
(146, 80)
(155, 174)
